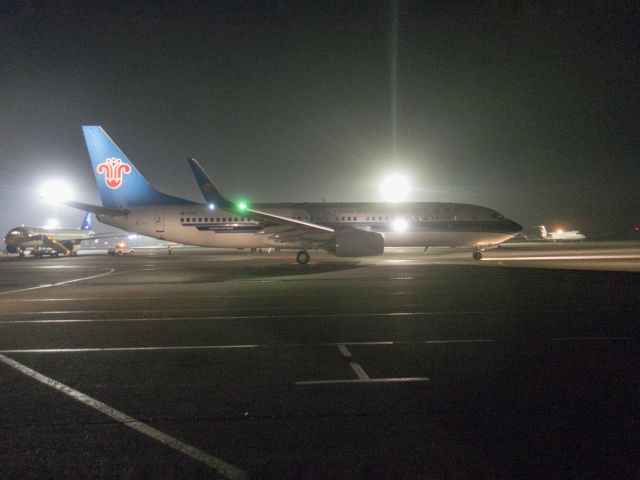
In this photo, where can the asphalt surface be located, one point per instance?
(206, 364)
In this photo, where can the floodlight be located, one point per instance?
(56, 191)
(395, 188)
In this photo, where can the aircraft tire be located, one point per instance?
(477, 255)
(302, 258)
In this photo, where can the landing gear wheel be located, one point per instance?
(302, 257)
(477, 255)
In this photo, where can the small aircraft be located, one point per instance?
(43, 241)
(561, 236)
(131, 203)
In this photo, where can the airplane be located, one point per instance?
(131, 203)
(560, 236)
(49, 241)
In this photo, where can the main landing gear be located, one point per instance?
(477, 254)
(303, 257)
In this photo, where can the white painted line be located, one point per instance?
(589, 339)
(362, 375)
(344, 350)
(240, 346)
(48, 285)
(269, 316)
(221, 467)
(368, 380)
(562, 257)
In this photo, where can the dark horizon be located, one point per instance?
(529, 109)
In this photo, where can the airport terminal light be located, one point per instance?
(52, 223)
(395, 188)
(56, 191)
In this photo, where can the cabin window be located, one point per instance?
(181, 219)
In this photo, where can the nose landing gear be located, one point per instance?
(477, 254)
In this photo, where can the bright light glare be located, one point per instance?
(559, 230)
(400, 225)
(56, 191)
(212, 206)
(133, 236)
(395, 188)
(52, 223)
(242, 206)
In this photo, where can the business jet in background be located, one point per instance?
(131, 203)
(43, 241)
(561, 236)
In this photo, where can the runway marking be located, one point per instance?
(226, 470)
(362, 375)
(368, 380)
(589, 339)
(242, 346)
(562, 257)
(196, 297)
(268, 317)
(48, 285)
(344, 350)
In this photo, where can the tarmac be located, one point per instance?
(226, 364)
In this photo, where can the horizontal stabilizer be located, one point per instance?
(87, 207)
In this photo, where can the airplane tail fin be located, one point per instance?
(86, 223)
(543, 231)
(119, 182)
(208, 189)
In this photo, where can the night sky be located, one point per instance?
(531, 108)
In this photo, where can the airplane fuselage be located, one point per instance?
(406, 224)
(21, 238)
(565, 236)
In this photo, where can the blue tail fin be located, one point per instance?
(119, 182)
(86, 223)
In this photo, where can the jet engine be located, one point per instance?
(357, 243)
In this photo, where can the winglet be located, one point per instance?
(208, 189)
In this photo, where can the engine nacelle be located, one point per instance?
(358, 243)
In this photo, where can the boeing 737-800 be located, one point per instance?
(131, 203)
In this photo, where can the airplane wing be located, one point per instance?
(287, 230)
(279, 229)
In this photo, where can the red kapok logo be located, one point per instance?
(113, 168)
